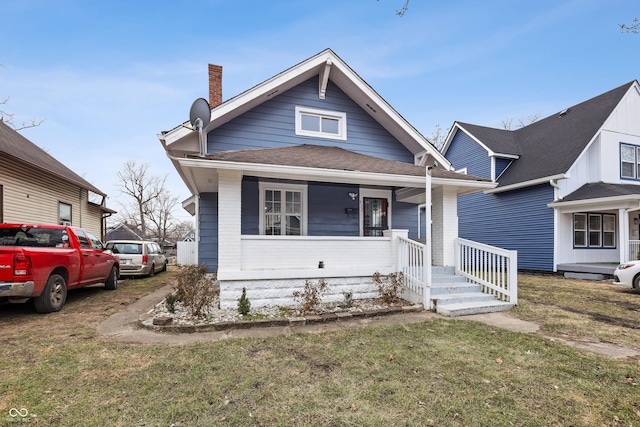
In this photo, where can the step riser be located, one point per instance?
(453, 288)
(472, 310)
(453, 299)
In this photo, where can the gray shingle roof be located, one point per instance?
(600, 190)
(550, 146)
(16, 146)
(497, 140)
(315, 156)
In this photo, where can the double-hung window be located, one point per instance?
(64, 213)
(321, 123)
(284, 209)
(594, 230)
(629, 161)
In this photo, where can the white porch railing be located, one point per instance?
(410, 263)
(495, 269)
(634, 247)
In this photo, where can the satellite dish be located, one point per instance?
(200, 110)
(199, 116)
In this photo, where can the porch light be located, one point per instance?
(353, 195)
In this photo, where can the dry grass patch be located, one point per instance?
(436, 373)
(581, 309)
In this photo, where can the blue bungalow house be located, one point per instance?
(568, 186)
(311, 174)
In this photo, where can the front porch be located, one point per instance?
(480, 278)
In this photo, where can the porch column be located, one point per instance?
(229, 222)
(427, 256)
(445, 225)
(623, 232)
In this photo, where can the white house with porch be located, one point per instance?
(310, 175)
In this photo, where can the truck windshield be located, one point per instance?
(39, 237)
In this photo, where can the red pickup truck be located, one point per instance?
(43, 261)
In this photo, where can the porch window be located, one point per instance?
(594, 230)
(580, 230)
(321, 123)
(284, 209)
(629, 161)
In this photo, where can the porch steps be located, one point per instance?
(453, 296)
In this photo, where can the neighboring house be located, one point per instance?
(309, 175)
(124, 231)
(568, 188)
(36, 188)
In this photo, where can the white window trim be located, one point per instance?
(302, 188)
(340, 116)
(378, 194)
(585, 231)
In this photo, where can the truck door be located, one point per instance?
(102, 267)
(89, 259)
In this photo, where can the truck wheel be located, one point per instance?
(112, 281)
(54, 295)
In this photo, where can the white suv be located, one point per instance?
(138, 257)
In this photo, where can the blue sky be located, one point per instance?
(108, 76)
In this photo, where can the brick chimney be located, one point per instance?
(215, 85)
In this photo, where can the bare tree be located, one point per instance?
(133, 180)
(404, 8)
(439, 136)
(10, 118)
(632, 28)
(520, 122)
(159, 212)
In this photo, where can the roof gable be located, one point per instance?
(14, 145)
(328, 66)
(550, 147)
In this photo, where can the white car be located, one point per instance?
(628, 274)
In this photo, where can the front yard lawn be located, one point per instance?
(441, 372)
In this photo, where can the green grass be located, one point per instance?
(442, 373)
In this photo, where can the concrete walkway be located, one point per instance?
(124, 326)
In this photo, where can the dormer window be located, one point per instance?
(321, 123)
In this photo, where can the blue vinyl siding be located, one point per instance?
(515, 220)
(405, 217)
(208, 245)
(272, 125)
(464, 152)
(326, 208)
(326, 205)
(501, 165)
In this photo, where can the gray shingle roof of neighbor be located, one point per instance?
(16, 146)
(550, 146)
(497, 140)
(599, 190)
(315, 156)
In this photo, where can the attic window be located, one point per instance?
(321, 123)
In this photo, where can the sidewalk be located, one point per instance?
(124, 326)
